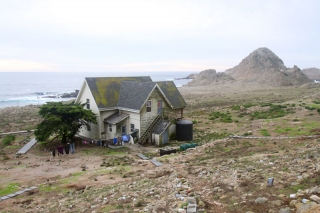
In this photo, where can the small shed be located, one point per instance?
(160, 134)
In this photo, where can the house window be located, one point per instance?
(110, 127)
(159, 106)
(148, 106)
(88, 103)
(88, 127)
(131, 127)
(123, 130)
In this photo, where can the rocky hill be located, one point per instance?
(262, 66)
(209, 76)
(312, 73)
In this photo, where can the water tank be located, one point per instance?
(184, 130)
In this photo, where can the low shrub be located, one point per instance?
(264, 132)
(309, 108)
(7, 140)
(235, 107)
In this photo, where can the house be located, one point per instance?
(137, 106)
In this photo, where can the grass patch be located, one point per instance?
(122, 150)
(247, 134)
(77, 174)
(274, 111)
(264, 132)
(210, 137)
(8, 189)
(222, 117)
(13, 147)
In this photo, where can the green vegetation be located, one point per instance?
(247, 134)
(264, 132)
(275, 111)
(211, 137)
(8, 189)
(309, 108)
(223, 117)
(63, 120)
(235, 107)
(7, 140)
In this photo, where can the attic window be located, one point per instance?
(88, 103)
(148, 106)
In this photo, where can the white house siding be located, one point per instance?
(172, 129)
(134, 119)
(156, 139)
(105, 127)
(95, 131)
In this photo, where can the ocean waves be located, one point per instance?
(25, 88)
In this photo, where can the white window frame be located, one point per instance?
(148, 106)
(110, 127)
(131, 127)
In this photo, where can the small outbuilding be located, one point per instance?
(160, 134)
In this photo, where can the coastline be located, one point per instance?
(21, 89)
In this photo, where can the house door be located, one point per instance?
(123, 130)
(165, 137)
(159, 106)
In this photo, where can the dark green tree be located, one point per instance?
(62, 120)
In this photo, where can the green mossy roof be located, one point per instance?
(105, 90)
(172, 94)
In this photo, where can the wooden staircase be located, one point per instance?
(148, 131)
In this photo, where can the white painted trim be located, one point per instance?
(165, 97)
(128, 110)
(80, 92)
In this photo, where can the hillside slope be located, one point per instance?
(262, 66)
(209, 76)
(312, 73)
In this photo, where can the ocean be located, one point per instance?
(25, 88)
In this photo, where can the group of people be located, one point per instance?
(61, 150)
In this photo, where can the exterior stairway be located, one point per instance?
(148, 131)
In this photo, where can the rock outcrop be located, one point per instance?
(209, 76)
(264, 67)
(312, 73)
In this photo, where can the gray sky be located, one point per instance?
(154, 35)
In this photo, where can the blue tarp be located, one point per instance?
(125, 138)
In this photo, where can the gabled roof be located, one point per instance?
(116, 118)
(161, 127)
(134, 94)
(172, 94)
(106, 90)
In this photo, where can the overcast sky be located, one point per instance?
(154, 35)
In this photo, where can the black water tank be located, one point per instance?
(184, 130)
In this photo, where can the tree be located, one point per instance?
(62, 120)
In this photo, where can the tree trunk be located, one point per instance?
(64, 139)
